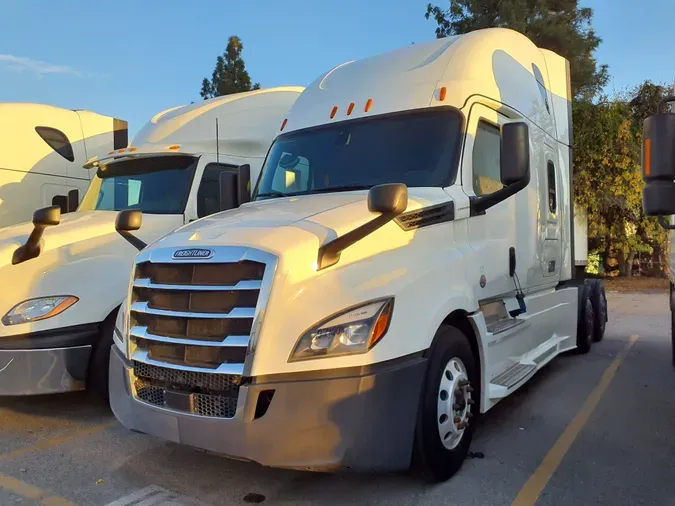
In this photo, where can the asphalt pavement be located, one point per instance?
(588, 429)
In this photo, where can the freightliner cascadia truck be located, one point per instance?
(406, 262)
(68, 279)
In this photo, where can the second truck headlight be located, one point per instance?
(33, 310)
(355, 330)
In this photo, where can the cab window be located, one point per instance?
(486, 169)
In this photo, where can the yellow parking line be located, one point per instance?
(28, 491)
(530, 492)
(56, 440)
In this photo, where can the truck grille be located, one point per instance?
(190, 326)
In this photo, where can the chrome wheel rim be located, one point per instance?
(454, 403)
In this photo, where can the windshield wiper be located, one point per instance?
(273, 194)
(330, 189)
(345, 188)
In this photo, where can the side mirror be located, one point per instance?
(244, 183)
(514, 159)
(128, 221)
(235, 187)
(514, 153)
(228, 183)
(47, 217)
(388, 198)
(658, 165)
(42, 218)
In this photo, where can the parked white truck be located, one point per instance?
(42, 150)
(658, 173)
(63, 284)
(406, 262)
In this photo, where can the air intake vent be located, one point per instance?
(426, 216)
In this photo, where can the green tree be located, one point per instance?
(558, 25)
(607, 174)
(230, 75)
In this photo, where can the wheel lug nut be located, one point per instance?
(469, 389)
(457, 419)
(462, 425)
(463, 383)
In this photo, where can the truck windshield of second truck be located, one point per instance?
(417, 148)
(154, 185)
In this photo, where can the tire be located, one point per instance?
(599, 301)
(435, 460)
(99, 362)
(585, 320)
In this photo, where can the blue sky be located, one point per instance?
(131, 59)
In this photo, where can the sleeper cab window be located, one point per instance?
(57, 140)
(486, 171)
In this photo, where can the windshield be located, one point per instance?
(155, 185)
(418, 148)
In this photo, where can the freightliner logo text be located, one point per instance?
(193, 253)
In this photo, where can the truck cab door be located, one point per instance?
(492, 233)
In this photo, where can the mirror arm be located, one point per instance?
(31, 248)
(480, 204)
(665, 224)
(132, 239)
(329, 253)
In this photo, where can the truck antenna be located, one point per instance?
(217, 146)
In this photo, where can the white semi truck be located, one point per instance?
(658, 173)
(42, 150)
(64, 282)
(406, 262)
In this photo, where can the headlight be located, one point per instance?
(33, 310)
(120, 330)
(355, 330)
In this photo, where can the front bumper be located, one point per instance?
(46, 362)
(335, 419)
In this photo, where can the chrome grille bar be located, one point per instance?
(242, 285)
(238, 312)
(141, 332)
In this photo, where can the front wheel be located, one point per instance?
(444, 430)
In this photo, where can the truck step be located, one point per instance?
(514, 375)
(502, 325)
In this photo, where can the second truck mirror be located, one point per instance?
(128, 221)
(515, 153)
(42, 218)
(658, 165)
(235, 187)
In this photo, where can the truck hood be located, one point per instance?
(79, 228)
(277, 225)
